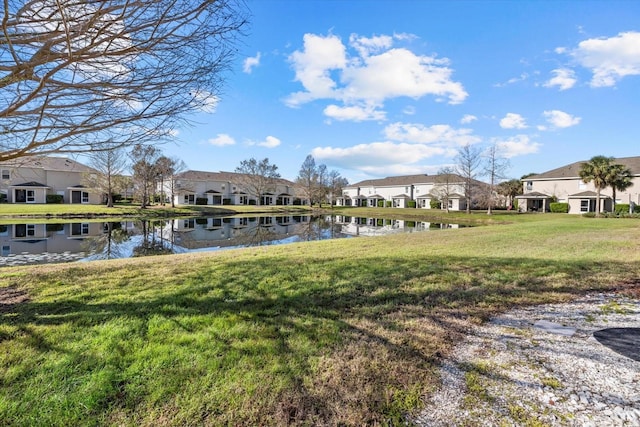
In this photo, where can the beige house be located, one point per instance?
(224, 188)
(565, 185)
(399, 191)
(32, 179)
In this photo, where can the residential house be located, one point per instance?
(32, 179)
(400, 191)
(565, 185)
(224, 188)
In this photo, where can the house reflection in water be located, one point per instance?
(217, 232)
(37, 243)
(360, 226)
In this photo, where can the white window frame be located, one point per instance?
(84, 197)
(582, 203)
(6, 174)
(30, 196)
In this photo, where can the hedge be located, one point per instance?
(55, 198)
(201, 200)
(558, 207)
(435, 204)
(411, 204)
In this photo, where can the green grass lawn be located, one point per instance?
(336, 332)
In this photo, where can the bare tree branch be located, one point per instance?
(89, 75)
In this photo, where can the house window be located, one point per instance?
(31, 196)
(189, 199)
(79, 229)
(584, 205)
(25, 230)
(85, 197)
(406, 189)
(6, 174)
(189, 223)
(243, 200)
(529, 185)
(582, 185)
(6, 250)
(450, 204)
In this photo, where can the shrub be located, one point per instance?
(252, 202)
(55, 198)
(381, 203)
(622, 208)
(201, 200)
(435, 204)
(201, 221)
(389, 203)
(226, 201)
(411, 204)
(558, 207)
(55, 227)
(3, 198)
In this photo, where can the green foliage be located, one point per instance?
(411, 204)
(622, 208)
(201, 200)
(381, 203)
(558, 207)
(435, 204)
(389, 203)
(201, 221)
(55, 198)
(3, 198)
(55, 227)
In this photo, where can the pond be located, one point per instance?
(23, 244)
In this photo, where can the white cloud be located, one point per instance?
(354, 113)
(513, 121)
(522, 77)
(443, 135)
(409, 110)
(516, 146)
(373, 73)
(365, 45)
(560, 119)
(376, 154)
(221, 140)
(250, 63)
(269, 142)
(610, 59)
(468, 118)
(205, 101)
(564, 78)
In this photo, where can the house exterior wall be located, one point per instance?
(186, 191)
(60, 182)
(563, 189)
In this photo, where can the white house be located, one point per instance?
(564, 185)
(32, 179)
(399, 191)
(225, 188)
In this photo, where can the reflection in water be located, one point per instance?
(52, 242)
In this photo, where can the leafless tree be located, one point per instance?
(89, 75)
(257, 177)
(335, 184)
(495, 168)
(468, 161)
(108, 164)
(445, 185)
(144, 158)
(166, 169)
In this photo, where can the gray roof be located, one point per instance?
(31, 184)
(232, 177)
(408, 180)
(392, 181)
(589, 194)
(63, 164)
(572, 171)
(533, 195)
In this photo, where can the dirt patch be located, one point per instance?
(10, 297)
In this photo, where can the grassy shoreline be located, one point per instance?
(345, 331)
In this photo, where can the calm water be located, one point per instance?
(84, 241)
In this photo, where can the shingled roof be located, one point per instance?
(572, 171)
(62, 164)
(233, 177)
(409, 180)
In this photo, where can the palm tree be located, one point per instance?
(619, 179)
(597, 170)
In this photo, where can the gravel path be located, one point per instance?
(515, 371)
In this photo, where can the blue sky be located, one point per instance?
(383, 88)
